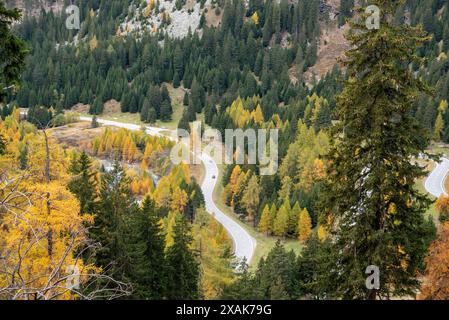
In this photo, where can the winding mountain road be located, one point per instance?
(434, 183)
(244, 244)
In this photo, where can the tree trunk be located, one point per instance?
(47, 158)
(372, 295)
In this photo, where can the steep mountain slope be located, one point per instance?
(34, 7)
(306, 37)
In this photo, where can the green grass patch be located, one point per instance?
(419, 185)
(133, 118)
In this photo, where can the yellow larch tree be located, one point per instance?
(211, 240)
(148, 9)
(126, 148)
(42, 237)
(322, 233)
(439, 126)
(257, 115)
(133, 152)
(135, 187)
(42, 233)
(162, 193)
(255, 18)
(146, 160)
(265, 221)
(280, 224)
(170, 223)
(93, 43)
(234, 178)
(304, 226)
(439, 121)
(179, 200)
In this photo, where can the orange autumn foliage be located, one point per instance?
(442, 206)
(436, 283)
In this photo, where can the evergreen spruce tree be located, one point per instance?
(313, 269)
(186, 99)
(152, 116)
(155, 99)
(184, 122)
(209, 112)
(276, 274)
(190, 112)
(116, 206)
(133, 103)
(165, 95)
(244, 288)
(293, 217)
(323, 118)
(278, 291)
(370, 192)
(176, 80)
(145, 110)
(12, 48)
(97, 107)
(83, 185)
(149, 274)
(125, 101)
(345, 11)
(166, 110)
(182, 264)
(197, 96)
(446, 38)
(94, 124)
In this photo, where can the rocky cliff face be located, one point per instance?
(33, 7)
(164, 15)
(176, 23)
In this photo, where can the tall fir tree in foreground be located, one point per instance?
(183, 266)
(149, 274)
(376, 212)
(84, 184)
(12, 50)
(116, 208)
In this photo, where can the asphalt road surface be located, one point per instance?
(435, 181)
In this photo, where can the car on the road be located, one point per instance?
(214, 177)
